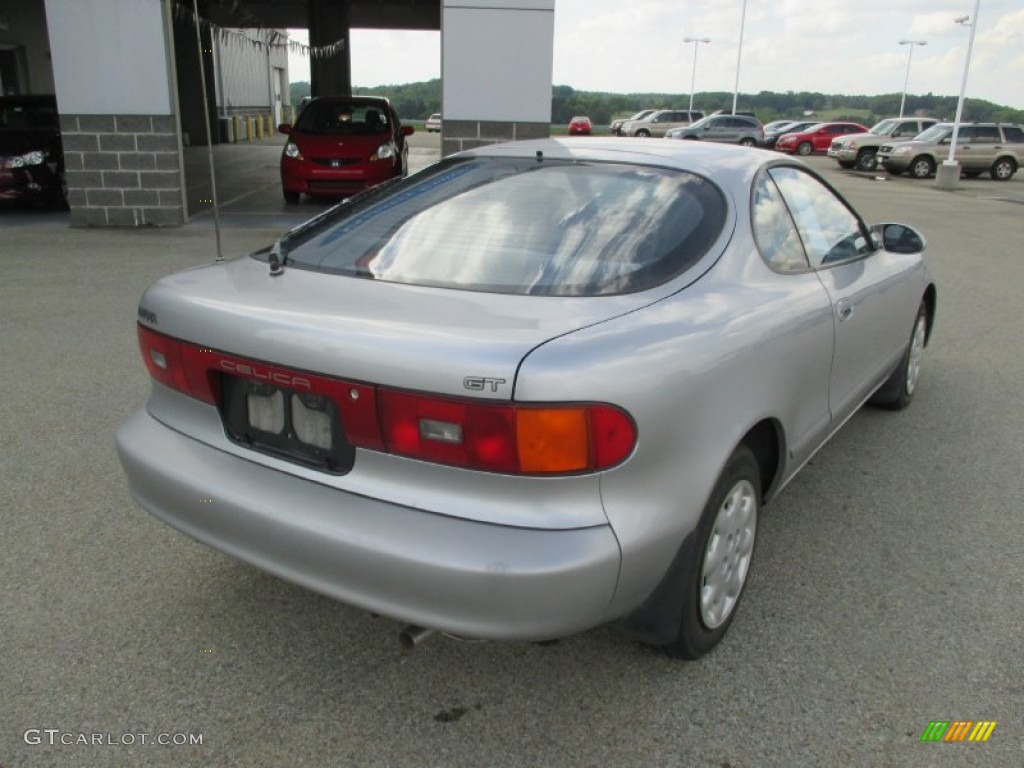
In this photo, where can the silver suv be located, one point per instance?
(728, 129)
(660, 122)
(859, 150)
(994, 147)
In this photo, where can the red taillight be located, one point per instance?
(512, 438)
(178, 365)
(549, 439)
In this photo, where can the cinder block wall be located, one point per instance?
(122, 170)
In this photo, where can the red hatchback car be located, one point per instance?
(817, 138)
(579, 126)
(340, 146)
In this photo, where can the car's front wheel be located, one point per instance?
(1003, 169)
(922, 167)
(866, 160)
(898, 390)
(643, 132)
(748, 142)
(720, 563)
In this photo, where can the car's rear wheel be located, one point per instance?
(1003, 169)
(748, 142)
(723, 551)
(292, 197)
(643, 132)
(922, 167)
(866, 160)
(804, 148)
(899, 388)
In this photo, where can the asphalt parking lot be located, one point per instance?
(886, 591)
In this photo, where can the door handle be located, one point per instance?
(844, 309)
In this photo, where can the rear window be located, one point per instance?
(339, 118)
(519, 226)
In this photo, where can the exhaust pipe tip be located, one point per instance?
(412, 636)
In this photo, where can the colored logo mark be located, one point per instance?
(958, 730)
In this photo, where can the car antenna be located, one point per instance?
(276, 268)
(540, 156)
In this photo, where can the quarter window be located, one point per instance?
(1013, 134)
(774, 231)
(830, 232)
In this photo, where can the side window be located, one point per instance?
(966, 133)
(986, 134)
(774, 231)
(1014, 134)
(907, 129)
(830, 232)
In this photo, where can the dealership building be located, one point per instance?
(129, 77)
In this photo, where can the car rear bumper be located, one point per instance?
(471, 579)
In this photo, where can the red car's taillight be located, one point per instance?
(549, 439)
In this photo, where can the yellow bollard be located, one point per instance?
(235, 128)
(249, 127)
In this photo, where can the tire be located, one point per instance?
(1003, 169)
(643, 132)
(292, 198)
(845, 164)
(866, 160)
(898, 390)
(804, 148)
(748, 142)
(922, 167)
(724, 548)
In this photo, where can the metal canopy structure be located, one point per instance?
(361, 14)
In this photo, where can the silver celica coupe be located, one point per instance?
(531, 389)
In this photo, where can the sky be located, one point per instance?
(826, 46)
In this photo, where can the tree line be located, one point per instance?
(417, 101)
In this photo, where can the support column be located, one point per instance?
(122, 146)
(328, 22)
(496, 65)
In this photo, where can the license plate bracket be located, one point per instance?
(296, 426)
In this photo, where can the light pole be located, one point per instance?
(906, 79)
(948, 174)
(693, 73)
(739, 55)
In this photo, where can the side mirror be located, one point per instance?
(408, 130)
(898, 238)
(284, 128)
